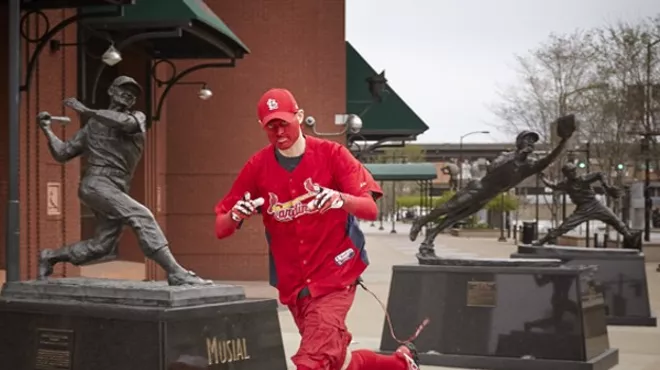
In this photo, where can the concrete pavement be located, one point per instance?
(639, 347)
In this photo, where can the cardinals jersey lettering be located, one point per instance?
(294, 208)
(307, 248)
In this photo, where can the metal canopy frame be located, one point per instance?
(62, 4)
(157, 39)
(425, 186)
(49, 33)
(190, 31)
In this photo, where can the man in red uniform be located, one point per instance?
(314, 192)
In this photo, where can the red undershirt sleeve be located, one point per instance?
(245, 182)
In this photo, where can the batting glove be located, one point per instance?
(245, 208)
(326, 199)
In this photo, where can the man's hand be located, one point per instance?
(44, 120)
(76, 105)
(245, 208)
(326, 199)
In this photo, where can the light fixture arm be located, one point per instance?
(326, 134)
(176, 77)
(44, 39)
(202, 83)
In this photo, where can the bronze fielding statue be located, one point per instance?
(113, 142)
(588, 208)
(506, 171)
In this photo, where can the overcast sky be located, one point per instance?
(447, 58)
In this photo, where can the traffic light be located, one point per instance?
(582, 164)
(619, 167)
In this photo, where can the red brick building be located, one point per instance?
(196, 148)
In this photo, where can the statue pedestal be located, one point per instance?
(621, 272)
(501, 314)
(80, 324)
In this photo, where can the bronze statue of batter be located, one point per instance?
(587, 207)
(113, 142)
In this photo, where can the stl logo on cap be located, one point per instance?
(277, 104)
(272, 104)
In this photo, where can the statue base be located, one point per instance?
(501, 314)
(79, 323)
(621, 272)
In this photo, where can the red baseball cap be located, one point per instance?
(277, 104)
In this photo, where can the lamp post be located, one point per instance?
(647, 141)
(460, 155)
(502, 219)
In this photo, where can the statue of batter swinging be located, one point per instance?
(113, 142)
(587, 207)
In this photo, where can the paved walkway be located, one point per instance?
(639, 347)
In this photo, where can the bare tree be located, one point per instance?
(598, 75)
(551, 82)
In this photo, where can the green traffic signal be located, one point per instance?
(619, 167)
(582, 165)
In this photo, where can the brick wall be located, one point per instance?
(296, 44)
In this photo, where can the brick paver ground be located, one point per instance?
(639, 346)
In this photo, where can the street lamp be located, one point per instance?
(647, 139)
(647, 135)
(111, 56)
(460, 155)
(502, 219)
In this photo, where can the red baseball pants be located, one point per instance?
(325, 338)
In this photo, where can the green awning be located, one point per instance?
(402, 171)
(61, 4)
(203, 34)
(391, 118)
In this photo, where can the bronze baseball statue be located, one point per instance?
(587, 207)
(505, 172)
(112, 140)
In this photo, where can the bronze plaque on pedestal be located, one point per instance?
(54, 349)
(481, 294)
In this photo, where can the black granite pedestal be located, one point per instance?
(501, 314)
(97, 324)
(621, 272)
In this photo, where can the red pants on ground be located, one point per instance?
(325, 338)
